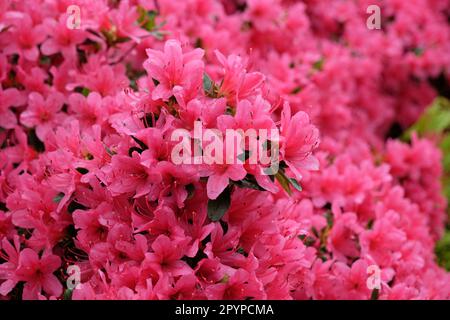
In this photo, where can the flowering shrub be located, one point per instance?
(89, 178)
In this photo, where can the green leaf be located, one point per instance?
(108, 150)
(315, 232)
(443, 251)
(147, 19)
(318, 65)
(208, 85)
(419, 51)
(242, 251)
(446, 186)
(296, 184)
(218, 207)
(83, 90)
(230, 111)
(245, 155)
(309, 241)
(225, 279)
(58, 197)
(330, 219)
(157, 34)
(45, 60)
(375, 294)
(445, 147)
(296, 90)
(68, 294)
(302, 236)
(435, 119)
(82, 170)
(284, 182)
(149, 25)
(142, 14)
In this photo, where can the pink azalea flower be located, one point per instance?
(298, 139)
(172, 69)
(237, 83)
(164, 222)
(92, 224)
(4, 67)
(353, 279)
(25, 37)
(7, 229)
(241, 285)
(263, 13)
(34, 79)
(166, 256)
(62, 39)
(219, 176)
(38, 274)
(130, 176)
(384, 241)
(124, 20)
(97, 75)
(42, 113)
(185, 289)
(89, 110)
(9, 98)
(343, 237)
(8, 268)
(248, 116)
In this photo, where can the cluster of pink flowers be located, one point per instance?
(86, 175)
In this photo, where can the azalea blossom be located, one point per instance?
(37, 272)
(174, 69)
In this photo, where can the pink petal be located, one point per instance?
(31, 54)
(50, 263)
(50, 47)
(52, 286)
(236, 172)
(7, 286)
(31, 291)
(8, 119)
(216, 184)
(21, 218)
(28, 257)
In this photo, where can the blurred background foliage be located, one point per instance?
(435, 123)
